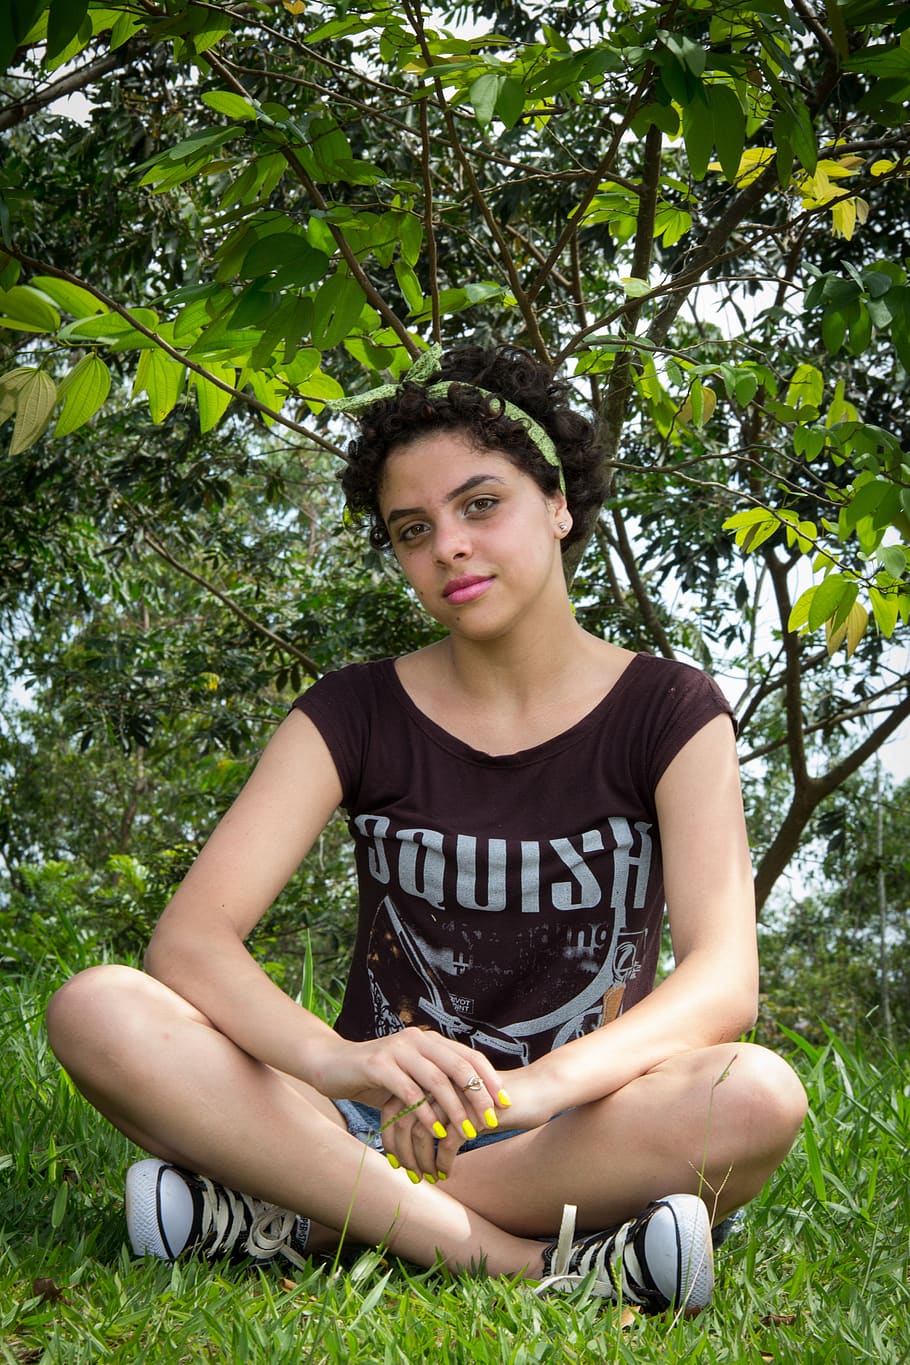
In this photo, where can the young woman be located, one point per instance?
(524, 798)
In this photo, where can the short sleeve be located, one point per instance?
(685, 701)
(339, 705)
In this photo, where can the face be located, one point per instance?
(477, 538)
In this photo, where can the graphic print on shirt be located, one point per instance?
(469, 928)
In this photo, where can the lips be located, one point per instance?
(460, 590)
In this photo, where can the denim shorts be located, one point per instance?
(363, 1123)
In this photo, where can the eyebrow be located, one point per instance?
(473, 482)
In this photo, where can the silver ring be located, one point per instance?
(475, 1083)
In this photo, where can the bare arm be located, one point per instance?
(198, 946)
(712, 994)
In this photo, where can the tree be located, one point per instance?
(842, 962)
(694, 209)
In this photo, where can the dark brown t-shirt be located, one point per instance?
(512, 902)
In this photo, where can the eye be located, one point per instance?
(485, 503)
(411, 532)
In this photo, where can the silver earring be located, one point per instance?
(563, 526)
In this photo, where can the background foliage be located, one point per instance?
(696, 210)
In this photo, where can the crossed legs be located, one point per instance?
(715, 1122)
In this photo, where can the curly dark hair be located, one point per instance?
(521, 379)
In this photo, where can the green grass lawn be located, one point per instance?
(819, 1272)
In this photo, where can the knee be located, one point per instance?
(92, 1006)
(770, 1095)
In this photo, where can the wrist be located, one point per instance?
(323, 1063)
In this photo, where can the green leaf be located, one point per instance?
(885, 608)
(213, 401)
(729, 124)
(834, 330)
(410, 237)
(126, 25)
(813, 1160)
(83, 390)
(58, 1212)
(63, 21)
(18, 20)
(510, 101)
(809, 442)
(288, 253)
(807, 387)
(878, 499)
(113, 329)
(689, 54)
(72, 298)
(698, 133)
(336, 308)
(827, 599)
(23, 309)
(753, 527)
(893, 559)
(162, 379)
(231, 105)
(37, 396)
(799, 612)
(483, 94)
(795, 125)
(409, 285)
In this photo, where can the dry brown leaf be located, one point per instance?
(46, 1289)
(287, 1285)
(778, 1320)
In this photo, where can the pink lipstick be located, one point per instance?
(460, 590)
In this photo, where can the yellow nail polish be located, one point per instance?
(413, 1176)
(490, 1119)
(392, 1160)
(504, 1099)
(439, 1130)
(431, 1178)
(468, 1129)
(441, 1175)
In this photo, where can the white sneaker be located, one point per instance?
(661, 1259)
(169, 1210)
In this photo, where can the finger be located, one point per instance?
(446, 1152)
(409, 1145)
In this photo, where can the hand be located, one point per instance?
(420, 1082)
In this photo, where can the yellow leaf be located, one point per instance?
(843, 218)
(37, 397)
(856, 626)
(883, 167)
(294, 6)
(752, 162)
(851, 630)
(836, 170)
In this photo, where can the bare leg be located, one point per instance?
(715, 1122)
(161, 1073)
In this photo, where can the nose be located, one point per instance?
(451, 540)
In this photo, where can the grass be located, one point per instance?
(819, 1274)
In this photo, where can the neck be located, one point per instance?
(524, 665)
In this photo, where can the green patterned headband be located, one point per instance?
(429, 364)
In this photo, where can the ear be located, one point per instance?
(562, 517)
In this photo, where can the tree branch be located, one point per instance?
(284, 645)
(642, 597)
(249, 400)
(793, 674)
(69, 84)
(372, 295)
(415, 18)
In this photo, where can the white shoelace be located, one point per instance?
(230, 1218)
